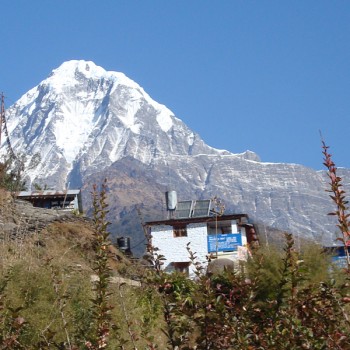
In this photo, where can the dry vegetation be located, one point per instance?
(57, 291)
(47, 288)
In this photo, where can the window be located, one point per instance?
(180, 230)
(220, 227)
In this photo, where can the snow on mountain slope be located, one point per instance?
(87, 123)
(82, 118)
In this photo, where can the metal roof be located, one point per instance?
(47, 193)
(192, 220)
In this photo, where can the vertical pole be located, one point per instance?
(65, 196)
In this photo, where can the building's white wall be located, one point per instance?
(234, 226)
(175, 248)
(244, 236)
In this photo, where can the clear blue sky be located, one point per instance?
(259, 75)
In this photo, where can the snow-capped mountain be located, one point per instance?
(88, 124)
(83, 118)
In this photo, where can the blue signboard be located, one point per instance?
(224, 242)
(340, 257)
(340, 261)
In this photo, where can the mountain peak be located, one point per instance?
(83, 118)
(88, 68)
(71, 73)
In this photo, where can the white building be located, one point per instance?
(225, 236)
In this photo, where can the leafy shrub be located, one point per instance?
(11, 176)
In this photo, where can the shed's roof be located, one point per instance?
(47, 193)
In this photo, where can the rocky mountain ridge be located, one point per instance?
(88, 124)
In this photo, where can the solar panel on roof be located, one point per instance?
(201, 208)
(184, 209)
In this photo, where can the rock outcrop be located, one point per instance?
(18, 217)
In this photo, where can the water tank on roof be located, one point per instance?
(171, 200)
(124, 244)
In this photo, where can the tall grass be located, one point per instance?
(280, 299)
